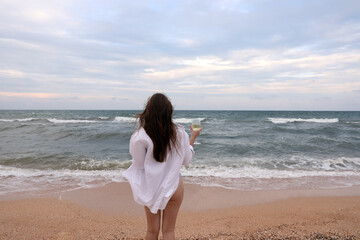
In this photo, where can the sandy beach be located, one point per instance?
(109, 212)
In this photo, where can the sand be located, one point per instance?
(109, 212)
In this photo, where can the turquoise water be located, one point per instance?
(237, 149)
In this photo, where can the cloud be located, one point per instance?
(284, 72)
(222, 51)
(29, 95)
(10, 73)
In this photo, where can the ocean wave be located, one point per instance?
(19, 120)
(7, 120)
(295, 163)
(59, 121)
(187, 120)
(21, 180)
(9, 171)
(125, 119)
(92, 165)
(292, 120)
(51, 120)
(15, 179)
(59, 161)
(176, 120)
(340, 164)
(258, 173)
(116, 119)
(95, 171)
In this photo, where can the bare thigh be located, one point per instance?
(153, 224)
(172, 208)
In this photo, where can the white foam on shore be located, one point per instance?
(14, 179)
(254, 172)
(292, 120)
(195, 170)
(12, 172)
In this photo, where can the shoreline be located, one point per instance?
(109, 212)
(117, 197)
(39, 186)
(112, 196)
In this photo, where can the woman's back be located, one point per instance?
(153, 182)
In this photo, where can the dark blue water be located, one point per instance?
(87, 146)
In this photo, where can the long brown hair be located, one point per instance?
(156, 119)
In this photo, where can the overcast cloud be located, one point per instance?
(243, 55)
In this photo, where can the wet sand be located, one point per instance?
(109, 212)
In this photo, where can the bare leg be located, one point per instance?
(153, 224)
(171, 211)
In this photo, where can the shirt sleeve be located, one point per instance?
(138, 148)
(189, 150)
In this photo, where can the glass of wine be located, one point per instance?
(195, 124)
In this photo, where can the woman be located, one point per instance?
(159, 148)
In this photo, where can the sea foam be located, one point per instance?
(54, 120)
(258, 173)
(14, 179)
(292, 120)
(187, 120)
(19, 120)
(176, 120)
(125, 119)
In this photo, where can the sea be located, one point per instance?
(53, 151)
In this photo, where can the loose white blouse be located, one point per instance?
(153, 183)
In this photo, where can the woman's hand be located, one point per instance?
(194, 135)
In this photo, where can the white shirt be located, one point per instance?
(153, 183)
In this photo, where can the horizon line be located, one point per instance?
(233, 110)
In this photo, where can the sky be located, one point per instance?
(204, 55)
